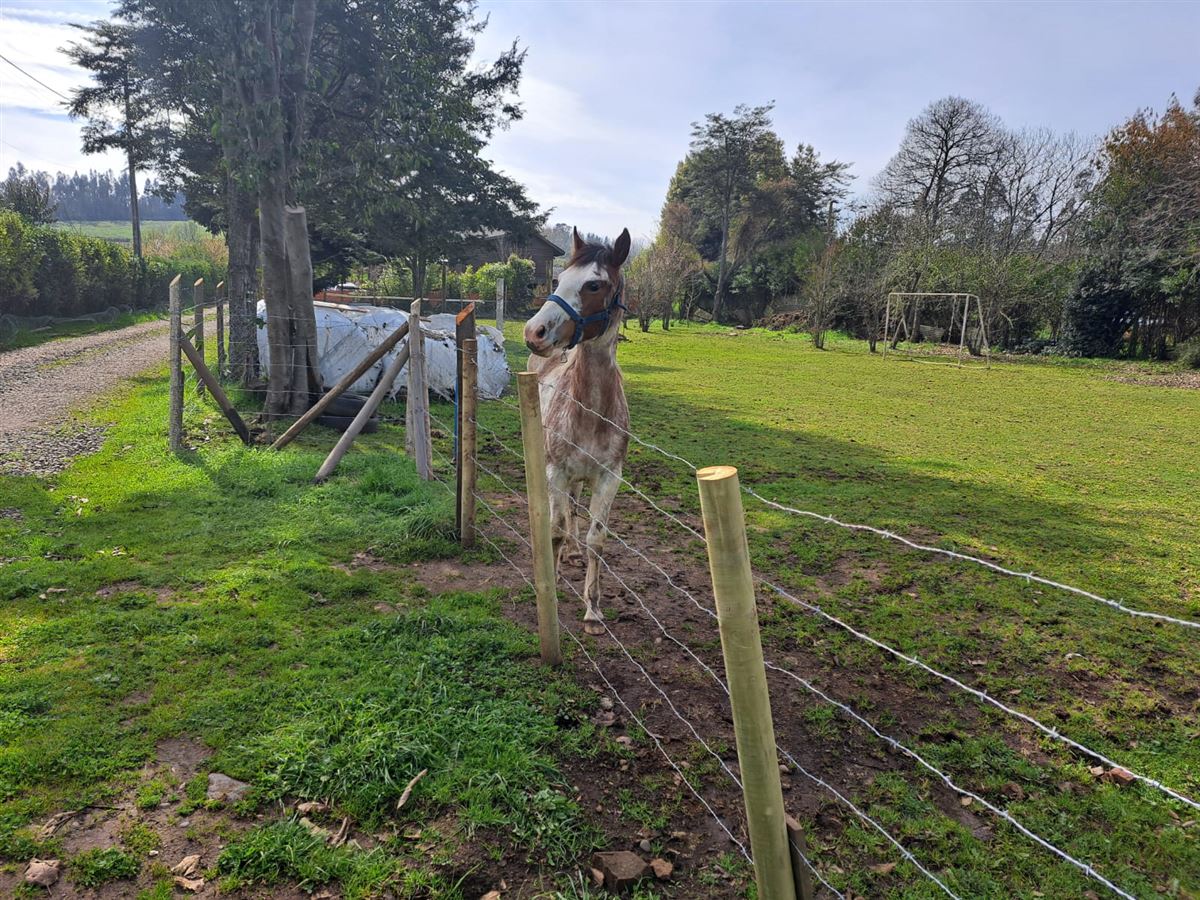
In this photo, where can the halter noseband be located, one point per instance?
(582, 322)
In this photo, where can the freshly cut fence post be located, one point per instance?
(500, 305)
(741, 646)
(341, 387)
(418, 440)
(464, 328)
(468, 401)
(206, 377)
(220, 329)
(368, 410)
(534, 441)
(175, 416)
(198, 312)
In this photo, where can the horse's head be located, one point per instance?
(588, 300)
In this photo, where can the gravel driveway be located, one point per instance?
(41, 387)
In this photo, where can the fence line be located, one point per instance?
(982, 695)
(615, 693)
(890, 535)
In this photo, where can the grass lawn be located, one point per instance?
(221, 598)
(123, 230)
(19, 339)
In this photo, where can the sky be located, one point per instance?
(611, 89)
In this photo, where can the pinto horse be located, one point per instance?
(574, 342)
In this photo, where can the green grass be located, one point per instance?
(1046, 465)
(25, 338)
(214, 595)
(123, 231)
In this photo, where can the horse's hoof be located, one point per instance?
(594, 628)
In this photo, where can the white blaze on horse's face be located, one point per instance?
(551, 328)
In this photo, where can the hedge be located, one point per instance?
(48, 272)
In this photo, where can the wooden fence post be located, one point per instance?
(500, 304)
(175, 415)
(464, 329)
(534, 442)
(207, 377)
(741, 646)
(418, 440)
(390, 374)
(198, 311)
(468, 401)
(220, 329)
(341, 387)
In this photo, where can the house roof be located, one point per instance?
(537, 236)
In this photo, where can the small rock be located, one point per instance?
(42, 872)
(225, 789)
(624, 740)
(1119, 776)
(883, 868)
(645, 845)
(661, 868)
(606, 703)
(185, 823)
(1097, 771)
(965, 801)
(621, 869)
(384, 608)
(311, 806)
(597, 877)
(187, 866)
(1013, 791)
(152, 853)
(189, 884)
(491, 895)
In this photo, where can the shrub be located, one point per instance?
(1189, 354)
(47, 271)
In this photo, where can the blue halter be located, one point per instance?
(582, 322)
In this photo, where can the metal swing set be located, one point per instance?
(895, 323)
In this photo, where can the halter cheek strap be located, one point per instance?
(582, 322)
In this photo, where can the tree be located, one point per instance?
(107, 52)
(725, 156)
(27, 195)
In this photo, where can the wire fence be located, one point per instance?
(1082, 866)
(783, 674)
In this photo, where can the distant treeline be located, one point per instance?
(97, 196)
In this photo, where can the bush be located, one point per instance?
(518, 280)
(1189, 354)
(46, 271)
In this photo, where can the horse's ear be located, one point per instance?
(620, 250)
(576, 241)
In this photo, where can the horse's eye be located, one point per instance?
(593, 285)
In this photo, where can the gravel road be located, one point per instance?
(42, 387)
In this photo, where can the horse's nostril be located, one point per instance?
(541, 332)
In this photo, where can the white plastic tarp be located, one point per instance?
(346, 334)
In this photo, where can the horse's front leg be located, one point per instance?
(560, 513)
(603, 493)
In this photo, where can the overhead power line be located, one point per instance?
(33, 77)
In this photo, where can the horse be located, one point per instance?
(573, 340)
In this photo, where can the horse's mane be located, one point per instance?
(591, 253)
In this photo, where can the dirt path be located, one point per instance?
(41, 387)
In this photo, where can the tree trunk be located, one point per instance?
(291, 323)
(135, 217)
(242, 293)
(719, 299)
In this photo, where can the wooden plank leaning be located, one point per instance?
(341, 387)
(206, 377)
(368, 410)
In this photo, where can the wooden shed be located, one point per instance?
(497, 246)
